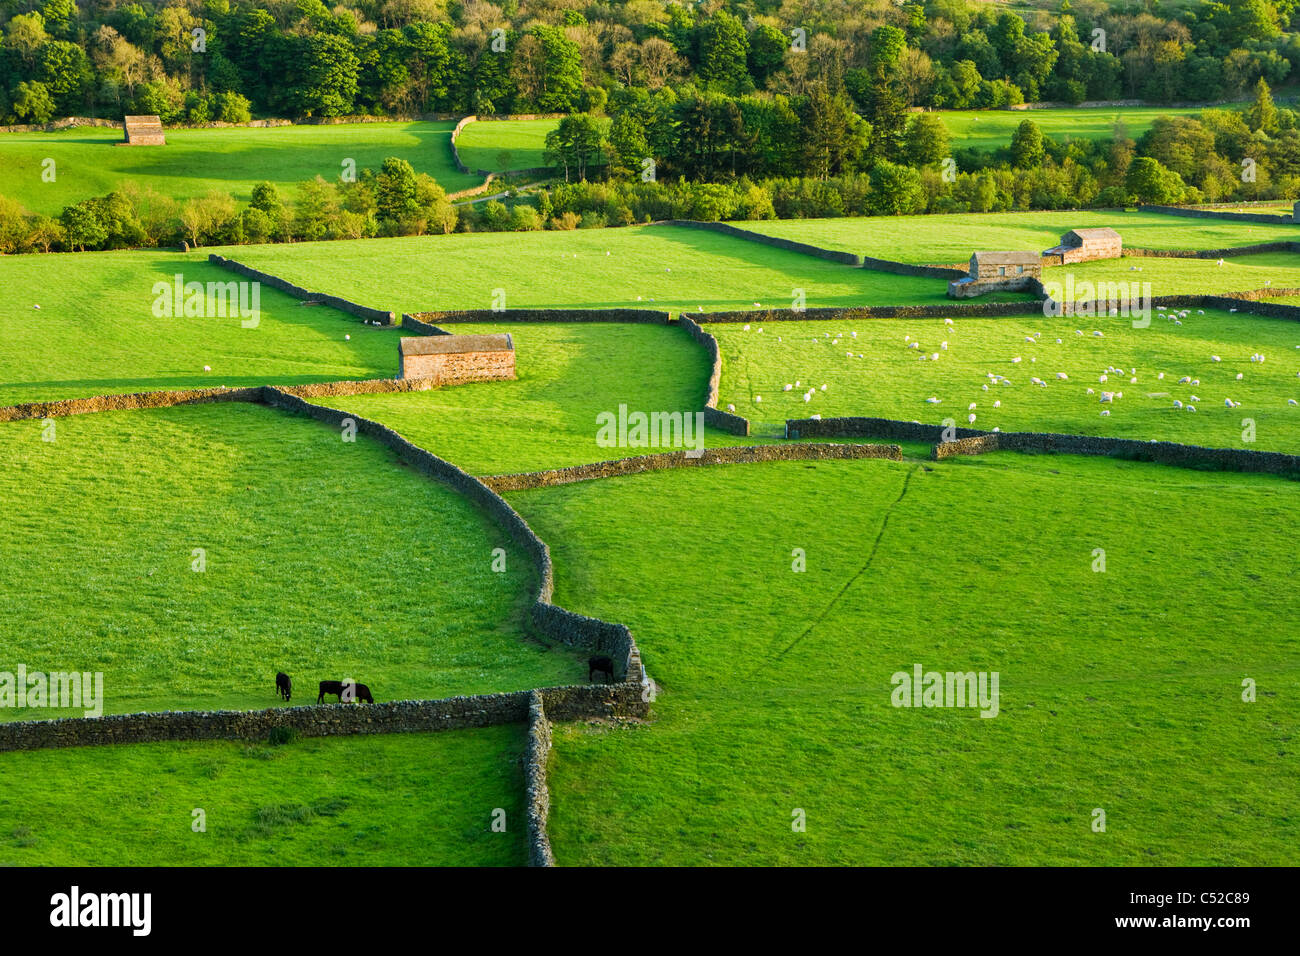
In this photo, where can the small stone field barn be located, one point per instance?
(452, 359)
(1005, 265)
(143, 131)
(1085, 245)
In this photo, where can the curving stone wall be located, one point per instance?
(298, 292)
(681, 459)
(713, 416)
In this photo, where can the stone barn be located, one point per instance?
(452, 359)
(997, 270)
(1085, 245)
(143, 131)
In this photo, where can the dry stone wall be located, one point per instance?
(536, 792)
(713, 416)
(938, 310)
(803, 248)
(541, 315)
(1215, 214)
(681, 459)
(298, 292)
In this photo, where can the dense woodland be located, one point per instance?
(713, 110)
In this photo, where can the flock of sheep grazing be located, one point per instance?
(1111, 377)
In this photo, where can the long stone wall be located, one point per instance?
(909, 269)
(1282, 245)
(298, 292)
(1215, 214)
(128, 402)
(938, 310)
(803, 248)
(540, 315)
(537, 794)
(681, 459)
(971, 441)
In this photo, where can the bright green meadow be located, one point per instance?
(320, 557)
(1118, 690)
(991, 129)
(869, 369)
(231, 160)
(382, 800)
(951, 239)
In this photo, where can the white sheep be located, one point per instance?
(1105, 412)
(1177, 403)
(933, 401)
(971, 418)
(1062, 376)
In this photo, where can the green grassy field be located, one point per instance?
(197, 161)
(649, 267)
(567, 375)
(322, 558)
(405, 800)
(890, 380)
(95, 332)
(990, 129)
(1281, 270)
(481, 144)
(952, 239)
(775, 686)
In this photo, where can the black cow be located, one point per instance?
(359, 691)
(283, 686)
(330, 687)
(599, 665)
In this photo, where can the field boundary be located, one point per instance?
(724, 421)
(847, 313)
(648, 316)
(1226, 252)
(730, 455)
(1215, 214)
(971, 441)
(473, 118)
(306, 295)
(537, 792)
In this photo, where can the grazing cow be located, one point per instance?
(354, 691)
(283, 686)
(330, 687)
(599, 665)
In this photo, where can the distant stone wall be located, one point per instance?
(1215, 214)
(460, 165)
(682, 459)
(714, 417)
(1226, 252)
(969, 288)
(537, 794)
(298, 292)
(411, 324)
(971, 441)
(938, 310)
(542, 315)
(803, 248)
(909, 269)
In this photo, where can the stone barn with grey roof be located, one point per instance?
(455, 359)
(1087, 245)
(998, 270)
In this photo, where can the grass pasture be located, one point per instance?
(547, 418)
(992, 129)
(95, 332)
(231, 160)
(951, 239)
(405, 800)
(481, 144)
(668, 268)
(890, 381)
(775, 685)
(322, 558)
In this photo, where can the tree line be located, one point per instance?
(201, 60)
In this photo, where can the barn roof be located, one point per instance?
(451, 344)
(1098, 234)
(1005, 258)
